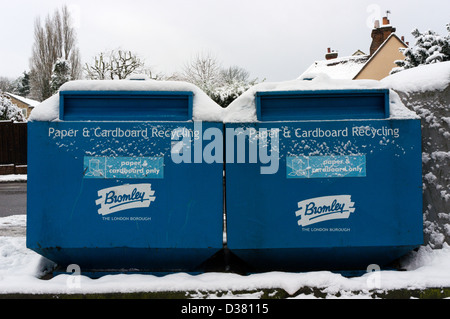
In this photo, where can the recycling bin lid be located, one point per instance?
(125, 105)
(322, 105)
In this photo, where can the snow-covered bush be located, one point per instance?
(429, 48)
(223, 85)
(227, 93)
(10, 111)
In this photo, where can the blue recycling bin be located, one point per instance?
(107, 189)
(327, 181)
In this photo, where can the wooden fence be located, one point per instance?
(13, 148)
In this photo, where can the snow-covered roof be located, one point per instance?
(30, 102)
(340, 68)
(347, 67)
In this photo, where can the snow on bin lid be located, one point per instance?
(243, 109)
(204, 108)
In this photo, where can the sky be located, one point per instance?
(273, 40)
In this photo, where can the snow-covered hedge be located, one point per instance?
(426, 91)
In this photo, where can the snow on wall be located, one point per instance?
(426, 90)
(424, 78)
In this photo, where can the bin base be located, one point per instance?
(308, 259)
(137, 260)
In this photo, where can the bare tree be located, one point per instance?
(234, 74)
(100, 70)
(203, 70)
(223, 85)
(6, 84)
(54, 40)
(115, 64)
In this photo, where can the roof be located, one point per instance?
(29, 102)
(346, 67)
(339, 68)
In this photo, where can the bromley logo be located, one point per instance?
(118, 198)
(320, 209)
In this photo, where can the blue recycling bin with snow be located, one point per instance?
(324, 179)
(113, 184)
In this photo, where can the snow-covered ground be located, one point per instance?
(20, 269)
(13, 178)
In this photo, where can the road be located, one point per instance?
(13, 199)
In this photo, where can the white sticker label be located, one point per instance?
(118, 198)
(320, 209)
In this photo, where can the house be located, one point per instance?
(384, 51)
(26, 105)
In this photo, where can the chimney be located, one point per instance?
(380, 34)
(331, 55)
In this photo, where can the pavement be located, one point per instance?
(13, 197)
(12, 231)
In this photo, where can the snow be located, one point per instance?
(48, 110)
(20, 269)
(13, 178)
(30, 102)
(339, 68)
(425, 89)
(204, 108)
(9, 110)
(243, 109)
(431, 77)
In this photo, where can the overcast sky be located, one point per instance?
(276, 40)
